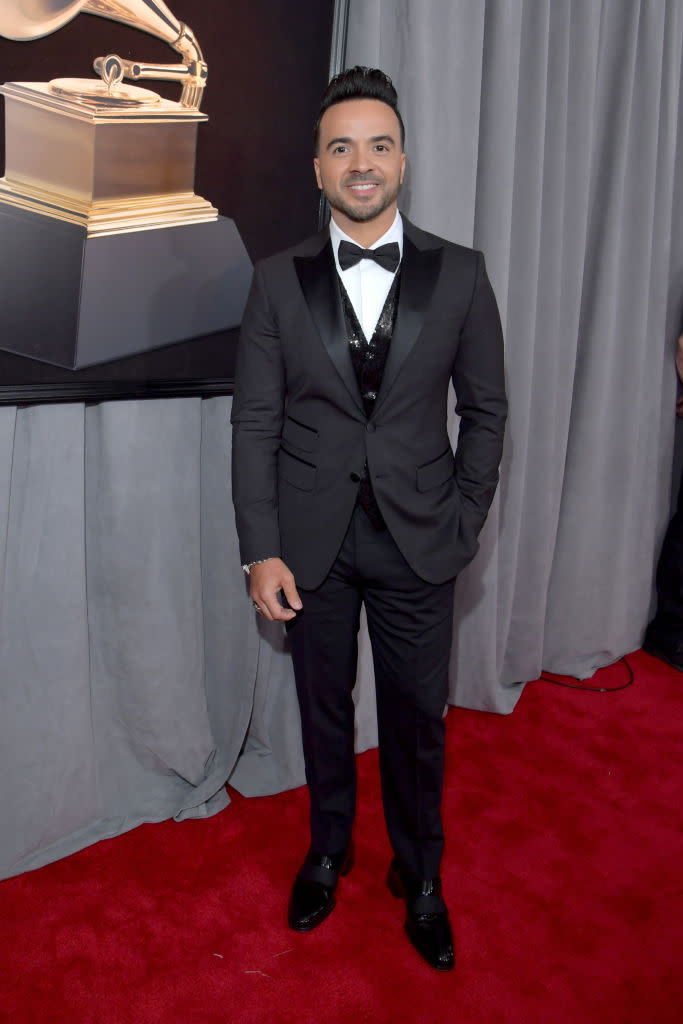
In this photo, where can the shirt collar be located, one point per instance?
(394, 234)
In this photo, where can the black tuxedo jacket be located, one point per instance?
(301, 436)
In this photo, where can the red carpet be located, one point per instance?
(563, 870)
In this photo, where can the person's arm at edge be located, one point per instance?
(257, 415)
(479, 382)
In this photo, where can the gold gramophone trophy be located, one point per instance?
(105, 250)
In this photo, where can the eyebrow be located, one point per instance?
(374, 138)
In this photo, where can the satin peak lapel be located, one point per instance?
(318, 279)
(419, 274)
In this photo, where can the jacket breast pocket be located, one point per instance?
(436, 472)
(295, 471)
(298, 434)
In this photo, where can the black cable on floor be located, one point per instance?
(594, 689)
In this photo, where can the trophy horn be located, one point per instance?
(33, 19)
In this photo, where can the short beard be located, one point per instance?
(360, 216)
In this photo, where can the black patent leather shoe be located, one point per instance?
(427, 925)
(313, 893)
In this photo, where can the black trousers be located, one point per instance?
(410, 628)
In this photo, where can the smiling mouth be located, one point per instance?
(364, 186)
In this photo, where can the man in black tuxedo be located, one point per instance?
(347, 491)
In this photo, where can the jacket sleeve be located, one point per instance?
(479, 382)
(257, 415)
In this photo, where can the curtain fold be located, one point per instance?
(48, 785)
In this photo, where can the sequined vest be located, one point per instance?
(369, 359)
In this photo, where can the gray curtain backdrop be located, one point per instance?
(547, 134)
(128, 650)
(134, 677)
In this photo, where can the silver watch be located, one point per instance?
(247, 567)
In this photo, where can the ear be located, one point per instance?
(316, 168)
(403, 168)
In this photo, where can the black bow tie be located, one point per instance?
(387, 256)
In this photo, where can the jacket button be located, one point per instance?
(355, 477)
(370, 428)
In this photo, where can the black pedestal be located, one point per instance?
(74, 301)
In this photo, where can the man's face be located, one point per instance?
(360, 162)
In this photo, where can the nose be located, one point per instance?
(363, 160)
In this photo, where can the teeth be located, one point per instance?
(363, 188)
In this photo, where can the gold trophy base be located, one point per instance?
(144, 213)
(108, 168)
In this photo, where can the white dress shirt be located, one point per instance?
(367, 284)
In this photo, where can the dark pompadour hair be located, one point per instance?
(359, 83)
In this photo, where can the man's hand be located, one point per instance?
(266, 580)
